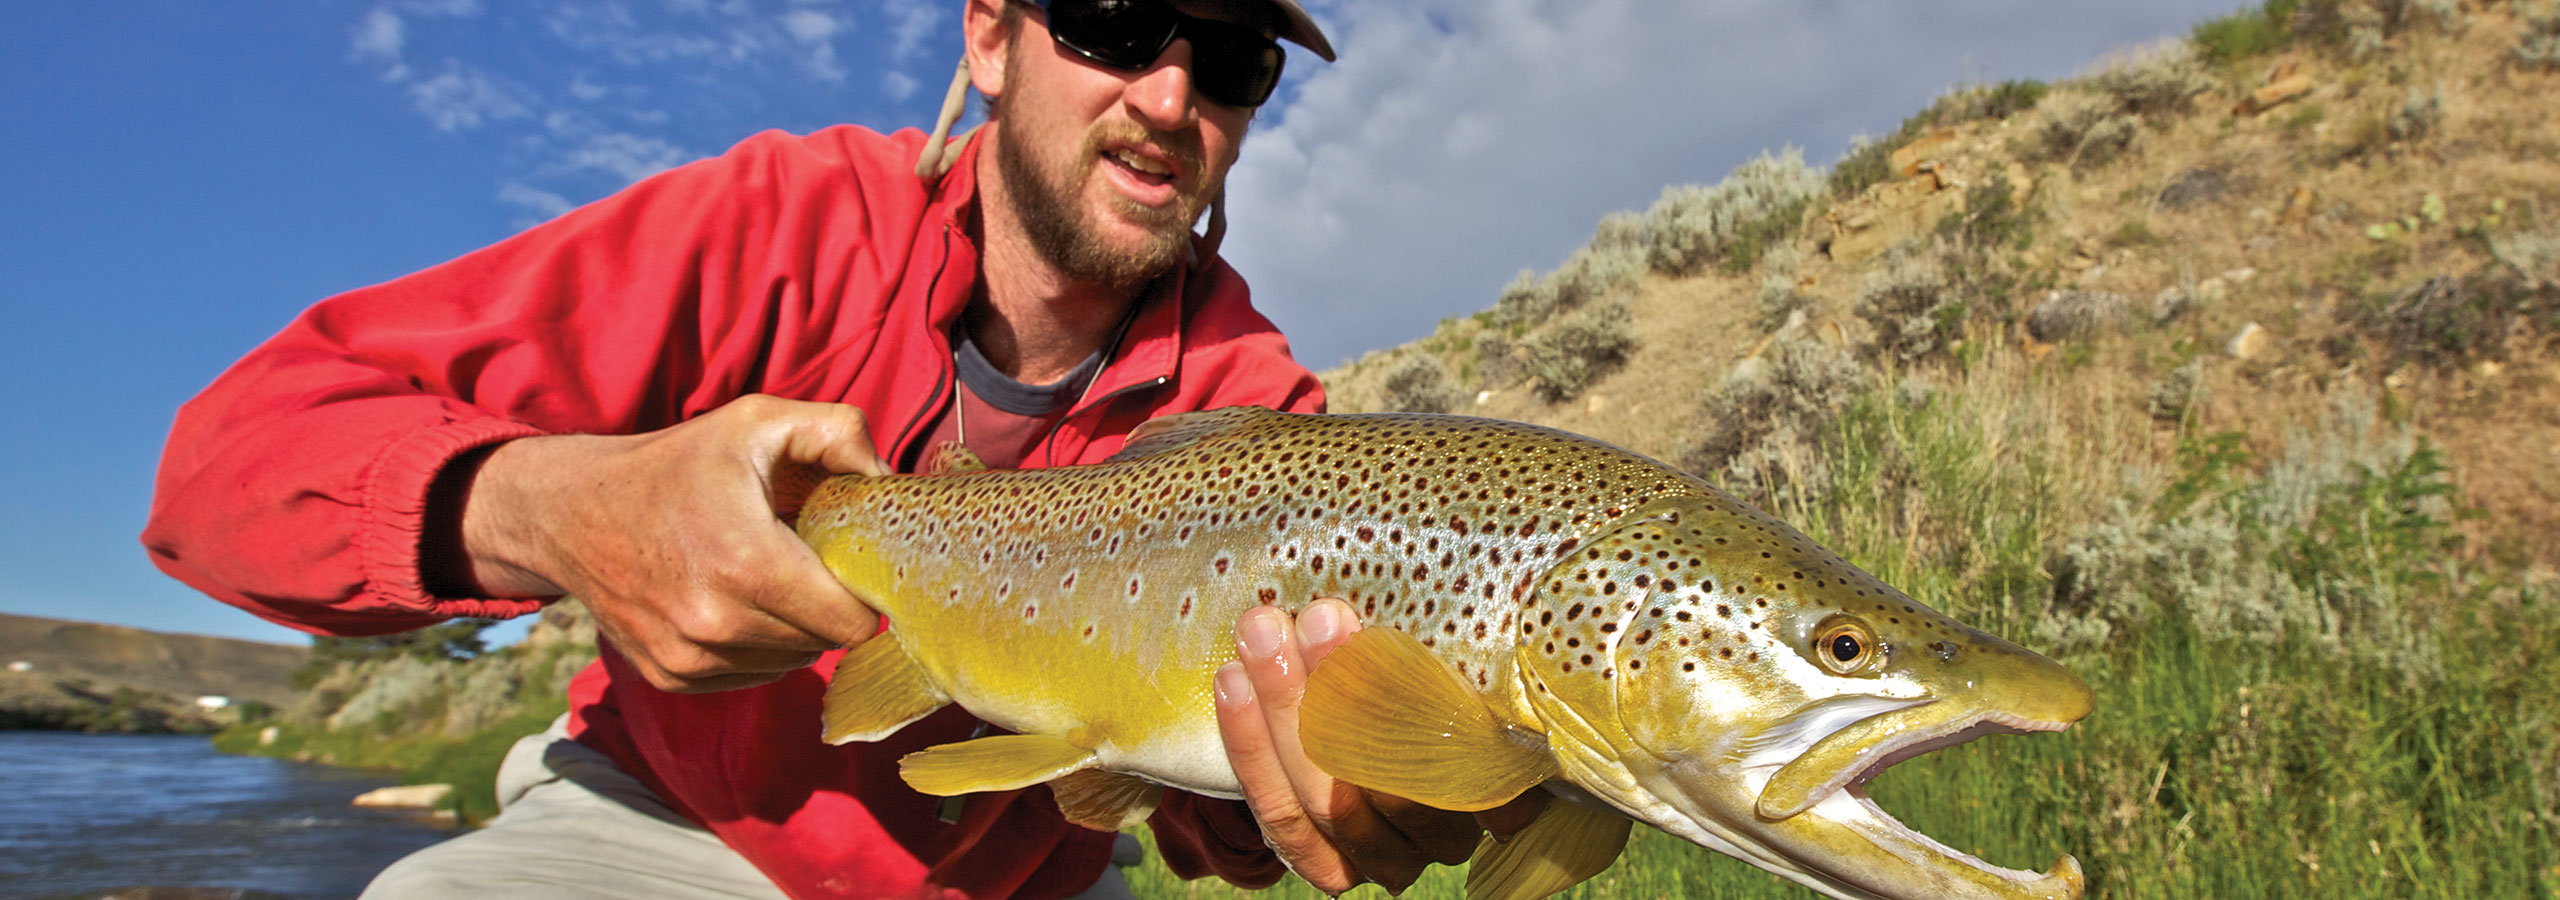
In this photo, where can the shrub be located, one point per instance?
(1417, 382)
(2334, 544)
(1779, 299)
(2178, 393)
(1691, 226)
(1526, 299)
(1566, 357)
(2419, 115)
(2538, 44)
(1498, 360)
(1762, 425)
(2535, 258)
(1621, 230)
(2082, 127)
(2007, 98)
(2441, 322)
(1914, 306)
(1595, 272)
(1869, 160)
(2155, 82)
(2246, 33)
(2067, 315)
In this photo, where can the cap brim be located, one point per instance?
(1291, 22)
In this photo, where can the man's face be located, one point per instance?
(1105, 169)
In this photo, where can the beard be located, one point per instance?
(1044, 196)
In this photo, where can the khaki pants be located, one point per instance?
(572, 825)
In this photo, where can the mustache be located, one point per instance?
(1184, 145)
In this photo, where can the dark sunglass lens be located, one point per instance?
(1233, 65)
(1126, 34)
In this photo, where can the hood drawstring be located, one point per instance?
(940, 149)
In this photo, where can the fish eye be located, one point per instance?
(1843, 646)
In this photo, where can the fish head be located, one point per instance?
(1724, 678)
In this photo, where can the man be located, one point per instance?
(614, 406)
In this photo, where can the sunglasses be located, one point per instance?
(1232, 64)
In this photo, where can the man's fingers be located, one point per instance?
(1275, 654)
(1375, 847)
(808, 599)
(1286, 827)
(1442, 836)
(831, 436)
(1510, 818)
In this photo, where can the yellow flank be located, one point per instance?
(1544, 611)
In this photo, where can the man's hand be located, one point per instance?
(1334, 835)
(672, 538)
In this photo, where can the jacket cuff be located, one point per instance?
(397, 491)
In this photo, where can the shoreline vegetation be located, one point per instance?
(434, 705)
(2224, 374)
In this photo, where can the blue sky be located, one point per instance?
(179, 178)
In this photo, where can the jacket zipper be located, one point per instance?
(942, 385)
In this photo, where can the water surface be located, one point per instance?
(82, 813)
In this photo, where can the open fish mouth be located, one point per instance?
(1847, 803)
(1829, 779)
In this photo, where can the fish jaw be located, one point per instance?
(1845, 846)
(1794, 790)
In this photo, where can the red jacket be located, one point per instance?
(814, 268)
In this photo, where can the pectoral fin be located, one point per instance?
(1105, 801)
(1569, 843)
(1383, 713)
(1000, 763)
(877, 690)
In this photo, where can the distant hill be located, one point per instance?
(56, 673)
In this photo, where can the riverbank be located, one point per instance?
(429, 721)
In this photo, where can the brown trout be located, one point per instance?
(1544, 611)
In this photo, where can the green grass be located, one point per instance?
(2247, 33)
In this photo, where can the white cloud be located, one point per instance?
(815, 31)
(463, 97)
(809, 26)
(897, 85)
(913, 23)
(1459, 140)
(379, 38)
(611, 28)
(540, 205)
(447, 8)
(630, 157)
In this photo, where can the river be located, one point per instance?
(81, 813)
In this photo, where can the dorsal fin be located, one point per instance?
(1158, 435)
(952, 458)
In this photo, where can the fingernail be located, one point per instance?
(1321, 622)
(1260, 632)
(1233, 688)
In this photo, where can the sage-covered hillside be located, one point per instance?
(2223, 373)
